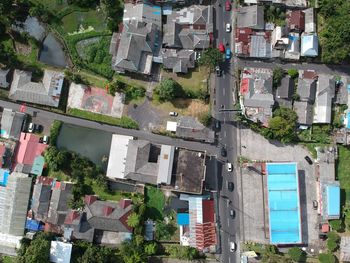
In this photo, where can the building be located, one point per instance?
(12, 123)
(284, 93)
(28, 149)
(287, 3)
(305, 113)
(324, 99)
(251, 16)
(60, 252)
(296, 20)
(197, 227)
(260, 46)
(178, 60)
(46, 92)
(256, 94)
(283, 203)
(345, 249)
(279, 37)
(41, 198)
(4, 78)
(103, 222)
(330, 200)
(310, 25)
(309, 45)
(293, 50)
(143, 13)
(307, 85)
(190, 128)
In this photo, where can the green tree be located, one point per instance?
(326, 258)
(296, 254)
(211, 58)
(205, 118)
(168, 90)
(138, 240)
(336, 225)
(131, 253)
(151, 248)
(293, 73)
(116, 86)
(133, 220)
(50, 156)
(181, 252)
(283, 125)
(278, 74)
(164, 231)
(97, 254)
(39, 249)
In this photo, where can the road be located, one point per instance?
(229, 228)
(210, 149)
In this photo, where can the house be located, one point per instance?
(58, 209)
(251, 16)
(279, 37)
(324, 99)
(189, 28)
(190, 128)
(41, 197)
(7, 149)
(310, 25)
(178, 60)
(309, 45)
(4, 78)
(197, 227)
(60, 252)
(287, 3)
(28, 149)
(304, 110)
(256, 94)
(12, 123)
(293, 50)
(307, 84)
(46, 92)
(142, 13)
(103, 222)
(260, 46)
(285, 91)
(345, 249)
(296, 20)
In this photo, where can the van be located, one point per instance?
(232, 246)
(229, 167)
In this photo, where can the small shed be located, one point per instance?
(60, 252)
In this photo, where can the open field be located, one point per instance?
(93, 18)
(343, 168)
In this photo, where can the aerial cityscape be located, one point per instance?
(174, 131)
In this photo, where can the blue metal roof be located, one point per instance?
(4, 174)
(183, 219)
(333, 200)
(348, 120)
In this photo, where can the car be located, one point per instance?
(232, 214)
(222, 106)
(218, 71)
(314, 204)
(221, 47)
(223, 152)
(173, 113)
(228, 53)
(228, 28)
(232, 246)
(46, 139)
(217, 125)
(308, 159)
(229, 167)
(31, 127)
(228, 5)
(230, 186)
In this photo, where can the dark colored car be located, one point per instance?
(232, 214)
(223, 152)
(230, 186)
(308, 159)
(314, 204)
(218, 71)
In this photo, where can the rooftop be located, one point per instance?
(11, 124)
(251, 16)
(60, 252)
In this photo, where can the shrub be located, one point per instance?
(180, 252)
(54, 132)
(134, 92)
(326, 258)
(205, 119)
(168, 90)
(337, 225)
(293, 73)
(296, 254)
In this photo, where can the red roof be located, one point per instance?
(2, 152)
(107, 210)
(29, 148)
(296, 20)
(243, 35)
(123, 219)
(206, 233)
(124, 203)
(325, 228)
(44, 180)
(244, 86)
(72, 216)
(208, 211)
(89, 199)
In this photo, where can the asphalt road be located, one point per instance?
(224, 85)
(210, 149)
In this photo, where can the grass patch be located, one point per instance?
(94, 18)
(94, 80)
(53, 5)
(124, 122)
(8, 259)
(59, 175)
(155, 203)
(343, 168)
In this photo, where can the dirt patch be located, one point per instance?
(187, 107)
(23, 48)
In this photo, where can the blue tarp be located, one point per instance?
(4, 174)
(333, 200)
(34, 225)
(183, 219)
(348, 120)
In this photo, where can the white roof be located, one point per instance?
(166, 159)
(309, 46)
(117, 156)
(171, 126)
(60, 252)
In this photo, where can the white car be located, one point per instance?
(228, 28)
(31, 127)
(46, 139)
(229, 167)
(173, 113)
(232, 246)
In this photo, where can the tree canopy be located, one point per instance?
(278, 74)
(296, 254)
(210, 58)
(37, 250)
(168, 90)
(283, 125)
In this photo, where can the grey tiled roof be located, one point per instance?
(251, 16)
(304, 111)
(46, 92)
(12, 123)
(179, 61)
(189, 127)
(306, 89)
(286, 89)
(41, 201)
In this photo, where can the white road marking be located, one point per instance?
(224, 119)
(224, 133)
(229, 259)
(228, 222)
(223, 75)
(223, 91)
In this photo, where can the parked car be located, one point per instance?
(31, 127)
(229, 167)
(228, 28)
(217, 125)
(230, 186)
(218, 71)
(228, 5)
(228, 53)
(315, 204)
(223, 152)
(221, 47)
(173, 113)
(232, 246)
(232, 214)
(308, 159)
(46, 139)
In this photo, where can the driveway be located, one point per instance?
(256, 147)
(146, 115)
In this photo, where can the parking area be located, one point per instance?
(44, 122)
(256, 148)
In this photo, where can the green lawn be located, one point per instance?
(55, 5)
(155, 202)
(343, 170)
(125, 122)
(94, 80)
(72, 21)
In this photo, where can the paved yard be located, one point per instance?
(255, 147)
